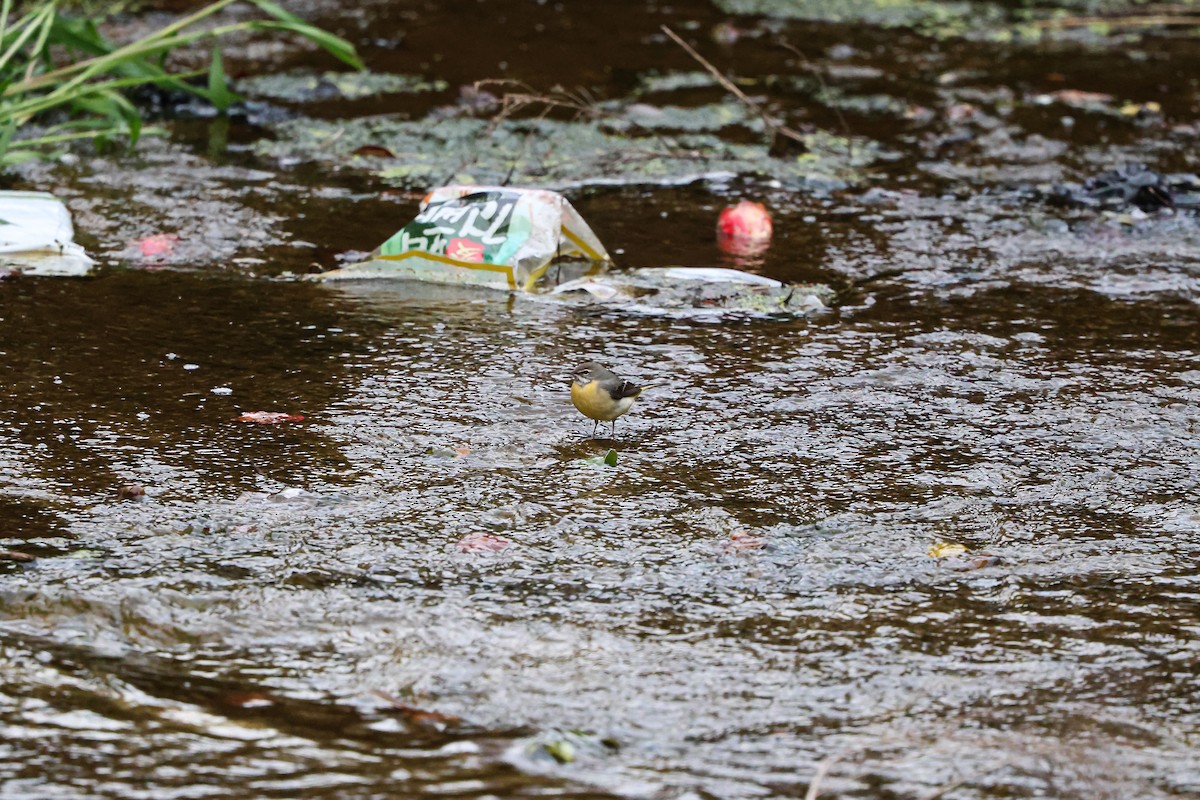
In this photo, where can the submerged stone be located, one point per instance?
(1132, 186)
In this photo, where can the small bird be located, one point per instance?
(602, 395)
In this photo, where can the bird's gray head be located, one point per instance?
(586, 373)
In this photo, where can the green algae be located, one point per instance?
(946, 18)
(552, 153)
(676, 82)
(712, 117)
(884, 105)
(306, 87)
(730, 113)
(983, 21)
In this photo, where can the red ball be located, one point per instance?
(744, 229)
(746, 220)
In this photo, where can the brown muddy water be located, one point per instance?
(746, 604)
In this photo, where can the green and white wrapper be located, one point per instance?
(494, 236)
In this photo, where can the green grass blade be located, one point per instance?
(90, 85)
(331, 43)
(22, 111)
(219, 93)
(81, 35)
(6, 134)
(277, 11)
(39, 47)
(5, 10)
(14, 29)
(123, 57)
(12, 158)
(160, 41)
(78, 133)
(36, 19)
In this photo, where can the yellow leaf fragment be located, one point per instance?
(946, 549)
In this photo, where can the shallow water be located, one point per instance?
(745, 605)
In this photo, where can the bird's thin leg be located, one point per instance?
(614, 430)
(595, 424)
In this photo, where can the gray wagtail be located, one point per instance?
(602, 395)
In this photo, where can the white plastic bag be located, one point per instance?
(37, 238)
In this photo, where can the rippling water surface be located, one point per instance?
(744, 606)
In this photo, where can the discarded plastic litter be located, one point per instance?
(493, 236)
(506, 238)
(688, 291)
(37, 238)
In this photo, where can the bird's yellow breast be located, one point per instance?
(595, 403)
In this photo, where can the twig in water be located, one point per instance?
(511, 102)
(332, 138)
(814, 786)
(776, 127)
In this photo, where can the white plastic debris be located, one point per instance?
(494, 236)
(37, 238)
(715, 275)
(692, 291)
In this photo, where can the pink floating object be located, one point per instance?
(270, 417)
(740, 541)
(744, 229)
(746, 220)
(160, 244)
(480, 542)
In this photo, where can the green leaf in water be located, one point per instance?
(567, 747)
(560, 750)
(609, 459)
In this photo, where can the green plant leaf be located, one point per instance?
(12, 158)
(278, 12)
(23, 30)
(335, 45)
(609, 459)
(81, 35)
(122, 115)
(219, 93)
(561, 751)
(5, 10)
(7, 129)
(51, 63)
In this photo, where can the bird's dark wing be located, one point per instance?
(627, 389)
